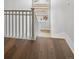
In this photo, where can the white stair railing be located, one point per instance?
(19, 23)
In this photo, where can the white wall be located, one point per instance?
(57, 7)
(69, 21)
(17, 4)
(62, 19)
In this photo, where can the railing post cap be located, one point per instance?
(32, 8)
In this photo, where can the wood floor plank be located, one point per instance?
(51, 49)
(67, 51)
(10, 43)
(42, 48)
(58, 50)
(34, 50)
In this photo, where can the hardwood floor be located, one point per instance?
(42, 48)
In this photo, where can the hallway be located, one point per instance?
(42, 48)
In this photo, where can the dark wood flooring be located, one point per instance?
(42, 48)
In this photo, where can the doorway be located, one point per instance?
(42, 12)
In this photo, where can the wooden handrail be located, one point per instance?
(18, 10)
(18, 14)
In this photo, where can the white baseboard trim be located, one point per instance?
(59, 35)
(27, 38)
(66, 37)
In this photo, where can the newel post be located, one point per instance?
(32, 23)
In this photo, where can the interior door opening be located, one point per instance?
(41, 9)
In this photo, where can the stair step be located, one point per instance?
(45, 30)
